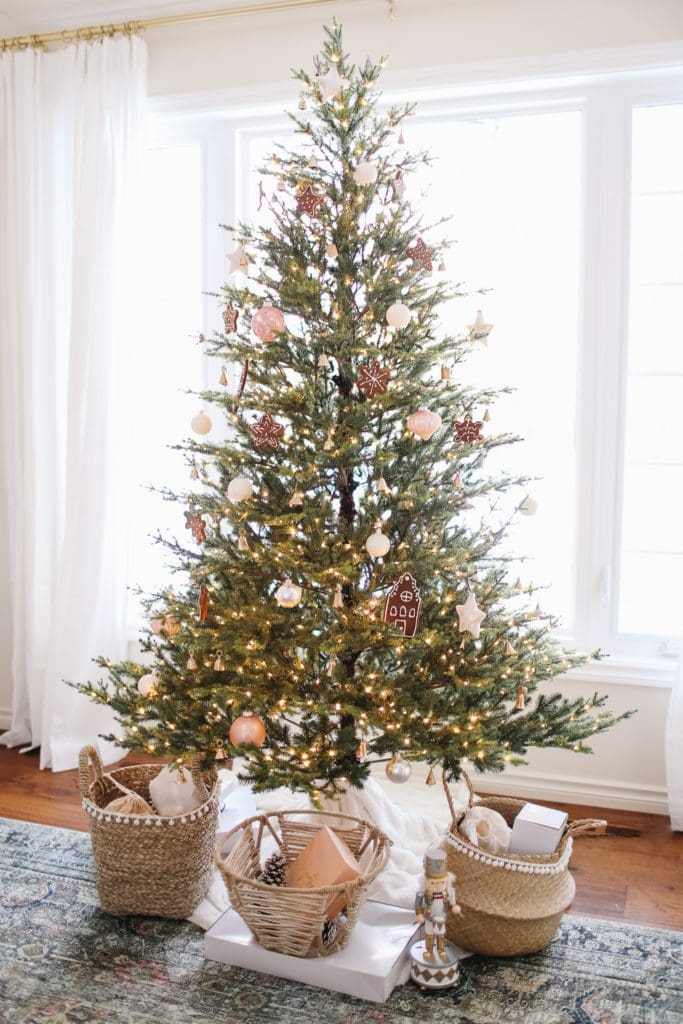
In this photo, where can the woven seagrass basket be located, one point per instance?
(286, 919)
(510, 904)
(156, 866)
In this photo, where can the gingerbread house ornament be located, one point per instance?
(402, 608)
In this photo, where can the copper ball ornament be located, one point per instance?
(267, 323)
(247, 731)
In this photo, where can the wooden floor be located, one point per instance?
(623, 876)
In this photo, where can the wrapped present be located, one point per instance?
(326, 860)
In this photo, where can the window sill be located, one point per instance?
(656, 672)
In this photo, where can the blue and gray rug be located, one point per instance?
(62, 961)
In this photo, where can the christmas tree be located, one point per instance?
(338, 605)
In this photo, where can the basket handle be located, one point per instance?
(587, 827)
(89, 757)
(449, 795)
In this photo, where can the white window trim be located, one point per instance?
(604, 86)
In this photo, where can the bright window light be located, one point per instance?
(652, 540)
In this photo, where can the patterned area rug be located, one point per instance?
(62, 961)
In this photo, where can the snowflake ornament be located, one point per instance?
(372, 379)
(468, 430)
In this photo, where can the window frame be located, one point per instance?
(225, 122)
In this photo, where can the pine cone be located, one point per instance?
(274, 870)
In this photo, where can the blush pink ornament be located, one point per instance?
(423, 423)
(247, 731)
(267, 322)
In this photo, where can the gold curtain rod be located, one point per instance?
(94, 32)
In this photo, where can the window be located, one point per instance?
(567, 203)
(651, 560)
(168, 318)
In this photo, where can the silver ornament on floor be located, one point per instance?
(398, 770)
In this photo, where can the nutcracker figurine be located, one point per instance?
(433, 902)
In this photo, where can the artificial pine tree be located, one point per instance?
(279, 619)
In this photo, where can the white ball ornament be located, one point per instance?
(424, 423)
(201, 424)
(148, 684)
(240, 489)
(398, 770)
(288, 594)
(529, 506)
(378, 544)
(365, 173)
(398, 315)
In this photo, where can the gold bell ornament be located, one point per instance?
(383, 487)
(243, 543)
(297, 499)
(362, 751)
(431, 778)
(192, 663)
(338, 599)
(508, 649)
(445, 373)
(520, 700)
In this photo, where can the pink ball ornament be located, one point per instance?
(247, 731)
(267, 323)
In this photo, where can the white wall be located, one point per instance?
(261, 49)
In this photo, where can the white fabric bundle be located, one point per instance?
(487, 829)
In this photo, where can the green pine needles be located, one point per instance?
(336, 686)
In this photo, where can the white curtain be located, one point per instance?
(674, 749)
(71, 130)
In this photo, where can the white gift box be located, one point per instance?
(537, 830)
(374, 961)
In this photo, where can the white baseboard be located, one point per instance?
(627, 795)
(5, 718)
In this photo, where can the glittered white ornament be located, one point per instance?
(423, 423)
(378, 544)
(365, 173)
(148, 684)
(529, 506)
(398, 315)
(288, 594)
(331, 83)
(398, 770)
(173, 792)
(201, 424)
(240, 489)
(486, 829)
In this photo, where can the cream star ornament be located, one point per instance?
(331, 84)
(238, 260)
(470, 617)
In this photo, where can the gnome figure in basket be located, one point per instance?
(433, 902)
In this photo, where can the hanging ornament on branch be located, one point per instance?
(267, 322)
(398, 770)
(378, 544)
(194, 521)
(372, 379)
(520, 698)
(243, 543)
(338, 599)
(203, 602)
(479, 330)
(288, 594)
(238, 261)
(331, 84)
(308, 201)
(423, 423)
(223, 379)
(365, 173)
(529, 506)
(508, 650)
(399, 186)
(267, 432)
(398, 315)
(297, 499)
(420, 254)
(331, 252)
(402, 607)
(148, 685)
(383, 487)
(431, 777)
(240, 489)
(247, 731)
(468, 431)
(201, 424)
(470, 617)
(230, 317)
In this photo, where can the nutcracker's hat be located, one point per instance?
(435, 862)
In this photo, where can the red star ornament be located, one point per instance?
(230, 315)
(267, 432)
(195, 522)
(372, 379)
(308, 201)
(420, 254)
(468, 430)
